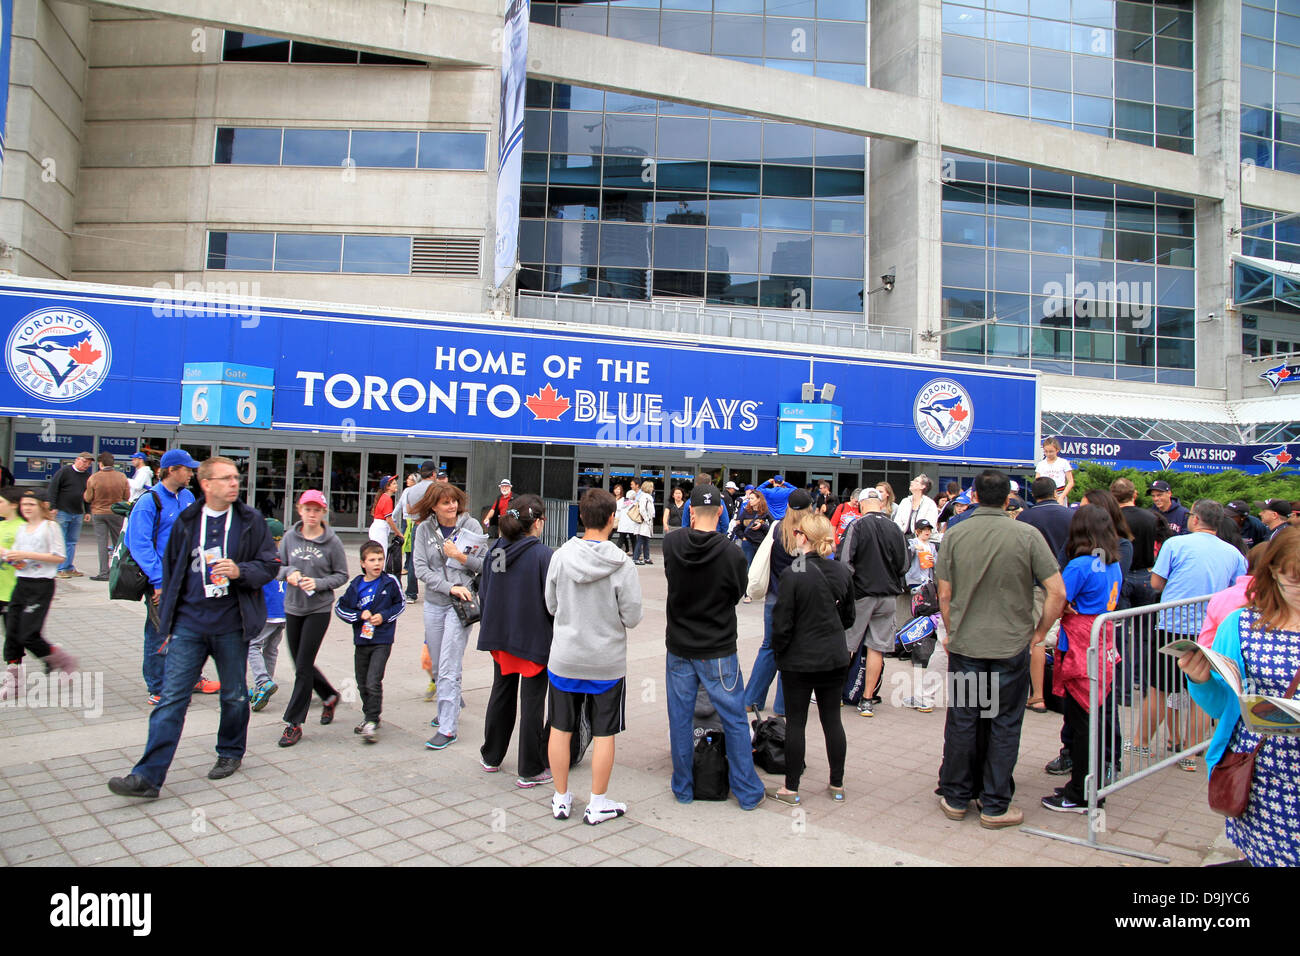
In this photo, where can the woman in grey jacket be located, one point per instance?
(447, 565)
(314, 565)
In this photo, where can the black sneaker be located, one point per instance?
(1063, 804)
(133, 786)
(1062, 765)
(224, 767)
(327, 709)
(292, 734)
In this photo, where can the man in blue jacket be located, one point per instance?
(147, 533)
(776, 490)
(218, 556)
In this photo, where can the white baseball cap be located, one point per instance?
(506, 481)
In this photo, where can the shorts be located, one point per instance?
(608, 711)
(874, 620)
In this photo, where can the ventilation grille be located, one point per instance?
(446, 255)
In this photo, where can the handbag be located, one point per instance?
(469, 612)
(760, 569)
(1232, 776)
(711, 777)
(634, 514)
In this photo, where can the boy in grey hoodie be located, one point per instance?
(593, 591)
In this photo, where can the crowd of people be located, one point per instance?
(1015, 581)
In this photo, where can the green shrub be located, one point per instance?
(1187, 486)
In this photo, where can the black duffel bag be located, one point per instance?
(769, 744)
(711, 775)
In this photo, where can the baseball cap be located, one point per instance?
(177, 457)
(731, 486)
(749, 487)
(1160, 486)
(276, 527)
(312, 497)
(963, 498)
(705, 496)
(1015, 486)
(1275, 504)
(799, 500)
(440, 474)
(1237, 508)
(1015, 504)
(781, 478)
(922, 523)
(868, 493)
(139, 455)
(505, 481)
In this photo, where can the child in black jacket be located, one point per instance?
(371, 604)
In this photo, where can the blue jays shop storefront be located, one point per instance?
(310, 396)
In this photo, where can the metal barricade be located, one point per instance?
(1141, 720)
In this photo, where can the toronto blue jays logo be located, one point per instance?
(1274, 458)
(1280, 374)
(58, 355)
(943, 414)
(1167, 454)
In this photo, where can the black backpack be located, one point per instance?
(711, 776)
(126, 580)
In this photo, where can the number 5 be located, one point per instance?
(803, 438)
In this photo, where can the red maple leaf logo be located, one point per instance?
(1283, 457)
(83, 354)
(1284, 373)
(958, 414)
(547, 405)
(1175, 454)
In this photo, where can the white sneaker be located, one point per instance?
(370, 731)
(918, 704)
(561, 804)
(610, 811)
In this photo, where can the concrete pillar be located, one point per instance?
(489, 462)
(903, 200)
(1218, 126)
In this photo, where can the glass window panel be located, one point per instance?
(1008, 340)
(846, 42)
(1257, 52)
(537, 93)
(243, 251)
(534, 168)
(1049, 69)
(963, 198)
(734, 178)
(1051, 343)
(1012, 308)
(537, 130)
(680, 208)
(1134, 16)
(1135, 116)
(626, 103)
(1008, 271)
(1093, 75)
(854, 73)
(678, 284)
(963, 304)
(1175, 353)
(1009, 28)
(319, 53)
(1172, 121)
(1132, 46)
(1052, 237)
(573, 243)
(731, 289)
(587, 17)
(1176, 251)
(785, 254)
(1012, 100)
(624, 283)
(1287, 128)
(738, 141)
(573, 132)
(682, 175)
(733, 250)
(1053, 9)
(963, 92)
(625, 172)
(1053, 269)
(574, 170)
(1257, 87)
(1288, 27)
(1010, 64)
(1176, 287)
(629, 135)
(253, 47)
(315, 147)
(1286, 159)
(532, 240)
(833, 256)
(1135, 218)
(532, 202)
(307, 253)
(738, 36)
(1134, 81)
(679, 248)
(1049, 34)
(377, 255)
(683, 138)
(964, 21)
(738, 212)
(248, 146)
(787, 181)
(1099, 243)
(686, 31)
(802, 67)
(786, 214)
(738, 6)
(440, 150)
(573, 203)
(787, 143)
(1175, 88)
(837, 295)
(1094, 347)
(784, 292)
(965, 229)
(578, 98)
(833, 182)
(639, 26)
(963, 56)
(384, 148)
(838, 217)
(1170, 52)
(626, 205)
(1009, 233)
(1256, 21)
(1176, 323)
(624, 245)
(1050, 207)
(842, 10)
(1011, 202)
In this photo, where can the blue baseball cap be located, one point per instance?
(139, 455)
(963, 498)
(175, 457)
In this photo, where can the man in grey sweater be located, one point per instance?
(593, 591)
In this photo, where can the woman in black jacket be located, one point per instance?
(516, 630)
(812, 612)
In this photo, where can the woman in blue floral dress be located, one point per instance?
(1263, 640)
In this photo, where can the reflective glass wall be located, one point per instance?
(1085, 277)
(1270, 83)
(632, 198)
(1113, 68)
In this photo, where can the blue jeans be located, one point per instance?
(747, 548)
(641, 548)
(70, 525)
(186, 654)
(722, 681)
(760, 677)
(153, 660)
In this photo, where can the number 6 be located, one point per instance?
(245, 410)
(199, 404)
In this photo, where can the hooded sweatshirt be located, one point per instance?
(513, 594)
(707, 578)
(322, 559)
(593, 591)
(432, 566)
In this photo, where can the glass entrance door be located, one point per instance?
(241, 457)
(344, 491)
(270, 482)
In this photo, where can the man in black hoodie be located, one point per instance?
(706, 580)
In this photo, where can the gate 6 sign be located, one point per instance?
(810, 429)
(217, 393)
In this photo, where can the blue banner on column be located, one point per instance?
(1180, 455)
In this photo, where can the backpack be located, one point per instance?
(126, 580)
(925, 599)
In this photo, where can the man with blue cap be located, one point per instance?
(141, 478)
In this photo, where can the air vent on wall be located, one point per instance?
(446, 255)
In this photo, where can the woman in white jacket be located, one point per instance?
(645, 503)
(916, 506)
(627, 528)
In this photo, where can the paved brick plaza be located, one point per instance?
(332, 799)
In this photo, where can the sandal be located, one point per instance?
(790, 799)
(837, 794)
(1188, 764)
(1036, 705)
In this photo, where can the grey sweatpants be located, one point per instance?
(263, 651)
(446, 638)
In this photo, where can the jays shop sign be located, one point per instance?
(90, 353)
(1181, 455)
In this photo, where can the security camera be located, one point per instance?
(887, 280)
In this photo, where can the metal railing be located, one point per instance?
(1122, 745)
(823, 329)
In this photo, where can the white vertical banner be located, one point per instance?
(510, 139)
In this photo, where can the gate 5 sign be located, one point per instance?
(808, 429)
(215, 393)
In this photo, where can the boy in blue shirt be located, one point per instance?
(371, 605)
(264, 649)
